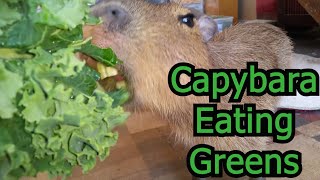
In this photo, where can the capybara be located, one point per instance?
(151, 38)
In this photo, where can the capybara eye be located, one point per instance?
(187, 19)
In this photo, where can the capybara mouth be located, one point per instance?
(111, 78)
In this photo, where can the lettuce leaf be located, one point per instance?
(8, 91)
(64, 14)
(68, 122)
(105, 56)
(8, 15)
(52, 115)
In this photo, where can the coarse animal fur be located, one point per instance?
(153, 40)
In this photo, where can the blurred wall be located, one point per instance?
(222, 7)
(247, 9)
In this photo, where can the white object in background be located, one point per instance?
(300, 61)
(220, 27)
(197, 6)
(223, 22)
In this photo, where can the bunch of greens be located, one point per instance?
(52, 115)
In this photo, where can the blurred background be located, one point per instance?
(145, 149)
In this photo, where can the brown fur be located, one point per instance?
(155, 40)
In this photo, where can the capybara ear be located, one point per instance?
(208, 27)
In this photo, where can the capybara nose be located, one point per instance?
(117, 17)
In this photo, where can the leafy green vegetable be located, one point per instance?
(52, 115)
(92, 20)
(105, 56)
(84, 83)
(8, 91)
(7, 15)
(58, 38)
(65, 14)
(24, 33)
(119, 97)
(10, 53)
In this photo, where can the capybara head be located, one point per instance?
(150, 37)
